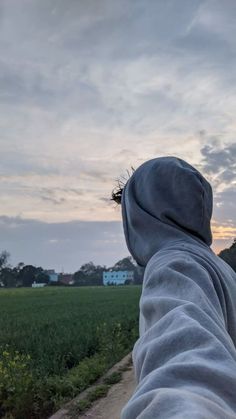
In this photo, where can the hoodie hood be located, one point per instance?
(165, 200)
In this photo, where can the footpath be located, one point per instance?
(111, 404)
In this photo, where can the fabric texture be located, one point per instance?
(185, 357)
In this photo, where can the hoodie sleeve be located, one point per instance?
(184, 360)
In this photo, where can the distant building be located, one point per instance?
(117, 277)
(35, 285)
(53, 276)
(66, 279)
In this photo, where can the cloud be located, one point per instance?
(17, 163)
(219, 164)
(225, 208)
(53, 200)
(57, 245)
(59, 195)
(116, 69)
(89, 89)
(70, 244)
(215, 159)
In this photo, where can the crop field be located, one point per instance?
(54, 342)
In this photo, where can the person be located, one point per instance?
(185, 357)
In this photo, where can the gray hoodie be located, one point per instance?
(185, 357)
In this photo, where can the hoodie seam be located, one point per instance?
(125, 220)
(202, 199)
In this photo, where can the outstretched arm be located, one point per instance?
(185, 360)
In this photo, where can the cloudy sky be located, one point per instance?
(89, 88)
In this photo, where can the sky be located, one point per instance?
(90, 88)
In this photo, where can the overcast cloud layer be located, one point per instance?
(89, 89)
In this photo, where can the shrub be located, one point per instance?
(15, 382)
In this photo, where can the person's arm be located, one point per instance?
(185, 360)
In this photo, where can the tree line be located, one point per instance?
(229, 255)
(89, 274)
(21, 274)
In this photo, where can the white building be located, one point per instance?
(117, 277)
(35, 285)
(53, 276)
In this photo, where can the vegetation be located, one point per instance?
(56, 341)
(20, 275)
(113, 378)
(229, 255)
(100, 390)
(88, 274)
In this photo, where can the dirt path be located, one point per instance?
(117, 396)
(111, 405)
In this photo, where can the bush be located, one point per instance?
(15, 382)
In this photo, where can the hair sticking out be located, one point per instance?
(121, 182)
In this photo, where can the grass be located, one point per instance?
(69, 337)
(79, 407)
(99, 391)
(113, 378)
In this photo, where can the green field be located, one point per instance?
(54, 342)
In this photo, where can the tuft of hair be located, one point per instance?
(118, 190)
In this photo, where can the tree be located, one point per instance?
(129, 264)
(21, 274)
(7, 274)
(18, 267)
(89, 274)
(125, 264)
(229, 255)
(41, 277)
(4, 258)
(8, 277)
(29, 273)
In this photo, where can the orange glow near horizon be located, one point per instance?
(223, 235)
